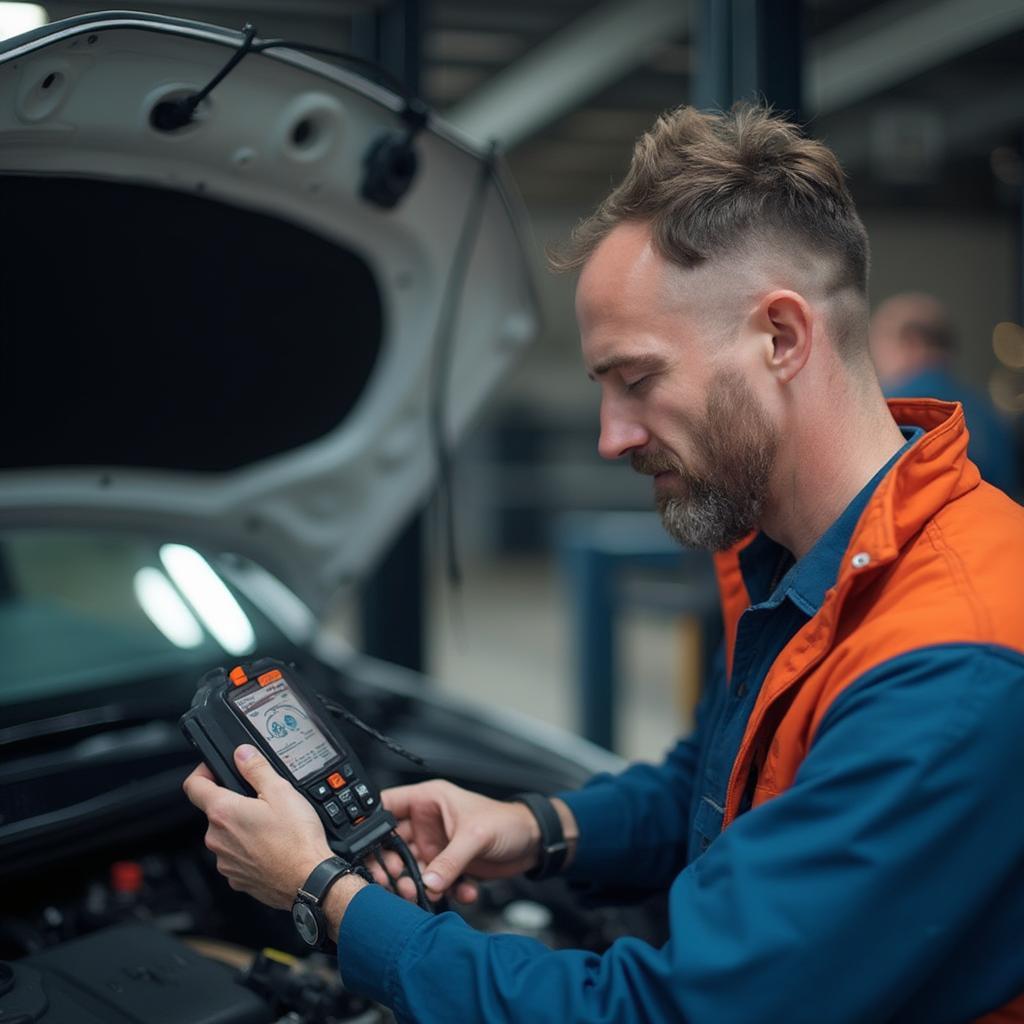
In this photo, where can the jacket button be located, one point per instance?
(860, 559)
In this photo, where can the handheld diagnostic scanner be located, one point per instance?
(265, 703)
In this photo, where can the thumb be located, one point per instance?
(445, 869)
(255, 768)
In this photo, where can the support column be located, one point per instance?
(393, 618)
(750, 49)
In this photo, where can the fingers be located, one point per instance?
(451, 862)
(467, 891)
(200, 787)
(399, 800)
(255, 768)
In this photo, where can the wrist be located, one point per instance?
(303, 867)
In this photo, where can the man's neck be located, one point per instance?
(832, 462)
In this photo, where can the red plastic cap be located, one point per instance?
(126, 876)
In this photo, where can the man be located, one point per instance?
(842, 838)
(912, 344)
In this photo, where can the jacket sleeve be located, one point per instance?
(839, 900)
(649, 805)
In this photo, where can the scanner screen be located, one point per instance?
(280, 718)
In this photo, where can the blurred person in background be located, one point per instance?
(912, 345)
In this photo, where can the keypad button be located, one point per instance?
(354, 811)
(332, 808)
(366, 798)
(321, 791)
(346, 797)
(347, 770)
(335, 781)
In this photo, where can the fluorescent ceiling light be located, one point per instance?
(213, 602)
(18, 18)
(166, 610)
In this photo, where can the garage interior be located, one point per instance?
(922, 102)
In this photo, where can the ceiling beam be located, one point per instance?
(897, 41)
(562, 72)
(970, 125)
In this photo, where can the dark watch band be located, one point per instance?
(323, 876)
(553, 848)
(307, 908)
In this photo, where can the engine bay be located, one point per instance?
(113, 909)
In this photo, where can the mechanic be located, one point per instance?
(912, 343)
(842, 838)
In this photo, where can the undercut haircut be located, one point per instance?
(712, 185)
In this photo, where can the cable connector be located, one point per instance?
(172, 115)
(391, 162)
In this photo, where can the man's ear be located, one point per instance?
(787, 323)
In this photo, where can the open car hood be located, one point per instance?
(210, 333)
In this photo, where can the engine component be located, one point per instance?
(131, 973)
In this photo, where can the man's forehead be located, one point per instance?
(623, 263)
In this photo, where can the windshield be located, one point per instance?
(81, 609)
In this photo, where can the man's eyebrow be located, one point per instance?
(643, 360)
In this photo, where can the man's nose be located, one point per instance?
(620, 434)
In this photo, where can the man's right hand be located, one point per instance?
(453, 832)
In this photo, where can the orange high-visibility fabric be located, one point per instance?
(932, 560)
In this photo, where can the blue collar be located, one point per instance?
(806, 582)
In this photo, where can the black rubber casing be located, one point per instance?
(215, 727)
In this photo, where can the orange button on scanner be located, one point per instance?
(335, 781)
(269, 677)
(238, 676)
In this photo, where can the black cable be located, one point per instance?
(170, 115)
(338, 709)
(248, 35)
(397, 843)
(445, 339)
(378, 71)
(379, 857)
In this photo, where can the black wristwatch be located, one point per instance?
(307, 910)
(553, 847)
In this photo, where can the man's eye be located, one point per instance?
(634, 385)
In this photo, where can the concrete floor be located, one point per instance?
(504, 639)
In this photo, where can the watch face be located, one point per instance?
(306, 923)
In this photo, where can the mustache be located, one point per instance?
(650, 463)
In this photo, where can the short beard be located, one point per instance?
(735, 440)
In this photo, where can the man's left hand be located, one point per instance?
(266, 846)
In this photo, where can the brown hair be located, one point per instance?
(709, 184)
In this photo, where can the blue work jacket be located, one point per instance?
(886, 883)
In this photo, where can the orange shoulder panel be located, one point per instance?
(957, 581)
(937, 557)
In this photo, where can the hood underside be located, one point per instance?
(212, 334)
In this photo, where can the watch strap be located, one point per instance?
(322, 877)
(553, 847)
